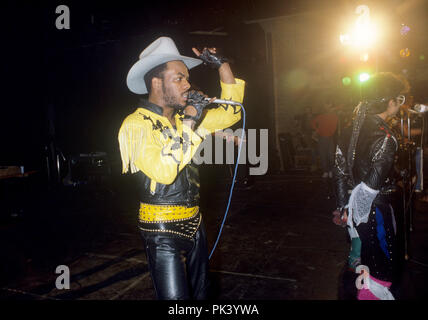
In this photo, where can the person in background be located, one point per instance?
(365, 165)
(325, 125)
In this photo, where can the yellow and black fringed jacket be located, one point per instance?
(161, 155)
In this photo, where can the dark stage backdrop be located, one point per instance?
(69, 86)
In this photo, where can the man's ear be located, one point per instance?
(156, 83)
(391, 106)
(391, 103)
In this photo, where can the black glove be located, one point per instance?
(212, 59)
(198, 101)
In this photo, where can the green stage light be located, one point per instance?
(364, 77)
(346, 81)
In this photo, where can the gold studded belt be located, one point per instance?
(165, 213)
(179, 220)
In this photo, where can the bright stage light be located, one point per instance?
(345, 39)
(364, 57)
(364, 77)
(365, 35)
(362, 37)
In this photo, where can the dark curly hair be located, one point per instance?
(381, 88)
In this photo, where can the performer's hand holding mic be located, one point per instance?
(198, 101)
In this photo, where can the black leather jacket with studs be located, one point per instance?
(373, 161)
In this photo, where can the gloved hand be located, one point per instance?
(197, 100)
(211, 58)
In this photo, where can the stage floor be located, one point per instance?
(278, 243)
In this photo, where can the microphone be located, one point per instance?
(222, 101)
(421, 108)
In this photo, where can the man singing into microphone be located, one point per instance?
(157, 143)
(364, 164)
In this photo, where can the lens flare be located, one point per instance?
(346, 81)
(404, 30)
(404, 53)
(296, 79)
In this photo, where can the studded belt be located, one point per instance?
(165, 213)
(171, 219)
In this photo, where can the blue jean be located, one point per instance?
(326, 152)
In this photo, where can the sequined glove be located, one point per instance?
(213, 60)
(197, 100)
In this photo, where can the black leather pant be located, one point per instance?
(178, 265)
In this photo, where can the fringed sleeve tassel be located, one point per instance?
(130, 144)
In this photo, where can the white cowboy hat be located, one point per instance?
(159, 51)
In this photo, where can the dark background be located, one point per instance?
(68, 87)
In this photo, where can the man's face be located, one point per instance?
(175, 85)
(395, 104)
(394, 107)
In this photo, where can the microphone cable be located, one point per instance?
(233, 181)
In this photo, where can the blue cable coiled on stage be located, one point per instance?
(233, 181)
